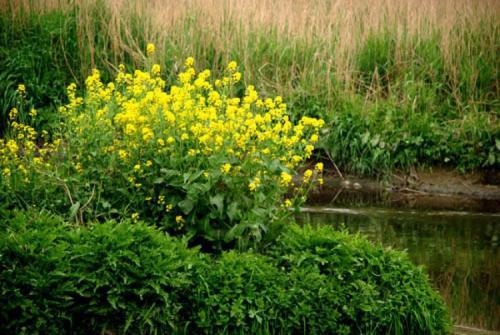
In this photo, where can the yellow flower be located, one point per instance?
(232, 66)
(150, 49)
(155, 69)
(123, 154)
(147, 134)
(21, 89)
(12, 146)
(6, 172)
(236, 76)
(287, 203)
(319, 167)
(139, 117)
(254, 184)
(285, 179)
(307, 175)
(309, 149)
(13, 113)
(135, 217)
(189, 62)
(226, 168)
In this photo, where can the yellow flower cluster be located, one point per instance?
(20, 145)
(136, 131)
(193, 119)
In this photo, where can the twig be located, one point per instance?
(335, 166)
(336, 195)
(80, 210)
(412, 190)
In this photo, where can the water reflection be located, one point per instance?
(459, 250)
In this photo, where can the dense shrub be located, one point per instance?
(197, 158)
(379, 291)
(245, 293)
(117, 277)
(242, 293)
(130, 278)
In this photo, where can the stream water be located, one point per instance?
(460, 251)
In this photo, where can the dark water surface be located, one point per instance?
(460, 250)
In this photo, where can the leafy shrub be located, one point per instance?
(197, 159)
(246, 293)
(378, 291)
(116, 277)
(30, 285)
(125, 277)
(241, 293)
(318, 281)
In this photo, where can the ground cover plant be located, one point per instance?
(132, 278)
(396, 84)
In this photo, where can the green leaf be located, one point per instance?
(186, 206)
(218, 201)
(74, 209)
(168, 173)
(105, 204)
(159, 181)
(233, 211)
(189, 177)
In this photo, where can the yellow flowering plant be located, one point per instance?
(194, 158)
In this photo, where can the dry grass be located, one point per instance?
(342, 25)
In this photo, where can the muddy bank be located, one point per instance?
(438, 189)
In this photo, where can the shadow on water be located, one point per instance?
(460, 251)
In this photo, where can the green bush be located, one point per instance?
(119, 277)
(378, 291)
(125, 277)
(241, 293)
(245, 293)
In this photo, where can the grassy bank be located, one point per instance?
(400, 83)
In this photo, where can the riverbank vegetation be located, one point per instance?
(131, 278)
(398, 83)
(169, 210)
(152, 155)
